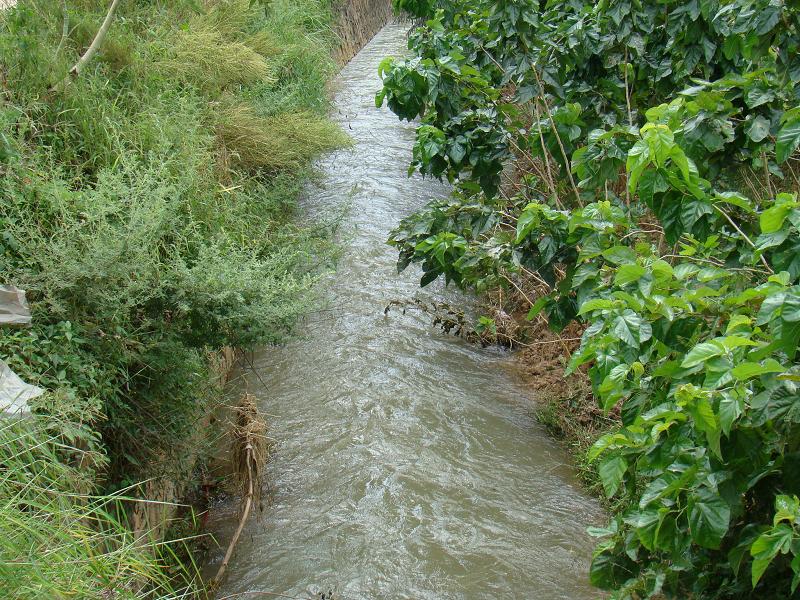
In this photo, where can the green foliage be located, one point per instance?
(144, 230)
(147, 236)
(655, 200)
(57, 539)
(415, 8)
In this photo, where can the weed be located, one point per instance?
(274, 143)
(56, 538)
(148, 210)
(203, 57)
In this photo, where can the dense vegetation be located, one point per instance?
(57, 540)
(148, 210)
(636, 163)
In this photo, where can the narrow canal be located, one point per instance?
(408, 463)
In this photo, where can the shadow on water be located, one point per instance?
(407, 462)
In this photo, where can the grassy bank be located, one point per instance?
(148, 208)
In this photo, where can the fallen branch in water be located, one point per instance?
(250, 452)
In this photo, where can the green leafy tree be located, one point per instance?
(653, 199)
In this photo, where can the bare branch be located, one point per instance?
(558, 138)
(92, 49)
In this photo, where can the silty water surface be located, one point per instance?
(408, 464)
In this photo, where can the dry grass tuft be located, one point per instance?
(215, 52)
(264, 43)
(285, 141)
(229, 17)
(203, 56)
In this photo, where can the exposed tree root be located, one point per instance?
(250, 452)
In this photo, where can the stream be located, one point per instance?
(408, 463)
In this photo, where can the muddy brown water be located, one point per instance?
(408, 463)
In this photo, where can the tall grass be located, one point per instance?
(204, 57)
(57, 540)
(275, 143)
(149, 209)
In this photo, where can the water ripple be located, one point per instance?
(407, 462)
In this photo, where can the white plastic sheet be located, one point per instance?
(15, 393)
(13, 306)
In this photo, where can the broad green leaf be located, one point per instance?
(759, 565)
(787, 508)
(601, 531)
(630, 300)
(612, 388)
(606, 442)
(772, 219)
(703, 352)
(638, 159)
(620, 255)
(730, 409)
(605, 569)
(596, 304)
(766, 548)
(611, 471)
(662, 269)
(667, 485)
(714, 438)
(660, 141)
(791, 307)
(629, 273)
(646, 524)
(787, 140)
(737, 321)
(385, 66)
(732, 342)
(783, 278)
(770, 307)
(685, 166)
(776, 404)
(632, 329)
(685, 270)
(537, 307)
(702, 413)
(756, 96)
(527, 220)
(709, 517)
(747, 370)
(736, 199)
(758, 129)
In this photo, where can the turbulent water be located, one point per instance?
(408, 463)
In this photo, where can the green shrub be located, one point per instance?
(234, 296)
(655, 200)
(142, 246)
